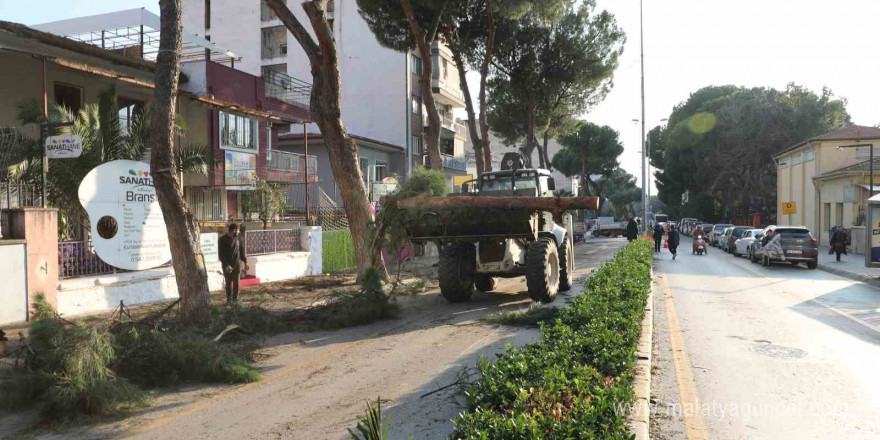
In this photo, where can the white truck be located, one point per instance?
(607, 227)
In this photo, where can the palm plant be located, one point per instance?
(104, 140)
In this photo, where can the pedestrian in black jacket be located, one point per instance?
(672, 240)
(632, 230)
(658, 237)
(232, 255)
(838, 241)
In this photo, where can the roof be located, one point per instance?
(320, 138)
(22, 31)
(857, 168)
(852, 132)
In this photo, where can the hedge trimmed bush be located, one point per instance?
(576, 382)
(338, 253)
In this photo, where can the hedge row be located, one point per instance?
(338, 252)
(577, 382)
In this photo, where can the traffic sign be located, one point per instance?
(789, 208)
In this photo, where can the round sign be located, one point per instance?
(128, 230)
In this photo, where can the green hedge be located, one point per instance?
(576, 382)
(338, 252)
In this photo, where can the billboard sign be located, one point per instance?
(66, 146)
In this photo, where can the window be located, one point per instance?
(380, 170)
(283, 49)
(273, 42)
(266, 13)
(416, 65)
(207, 14)
(416, 145)
(365, 169)
(447, 146)
(416, 104)
(237, 132)
(69, 96)
(128, 108)
(269, 141)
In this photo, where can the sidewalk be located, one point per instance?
(850, 266)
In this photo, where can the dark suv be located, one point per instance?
(798, 245)
(735, 235)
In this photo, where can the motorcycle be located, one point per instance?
(699, 245)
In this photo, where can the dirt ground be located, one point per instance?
(316, 383)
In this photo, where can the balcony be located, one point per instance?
(458, 128)
(448, 93)
(286, 88)
(454, 163)
(294, 163)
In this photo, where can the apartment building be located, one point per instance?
(239, 115)
(381, 100)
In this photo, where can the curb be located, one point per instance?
(639, 416)
(874, 281)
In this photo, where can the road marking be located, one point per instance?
(818, 301)
(694, 425)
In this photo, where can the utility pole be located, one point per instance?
(644, 144)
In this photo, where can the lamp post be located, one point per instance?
(868, 217)
(644, 149)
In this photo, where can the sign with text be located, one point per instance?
(789, 208)
(240, 170)
(66, 146)
(210, 249)
(128, 230)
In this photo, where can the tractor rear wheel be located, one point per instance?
(456, 272)
(566, 265)
(542, 271)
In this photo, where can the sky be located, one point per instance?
(689, 44)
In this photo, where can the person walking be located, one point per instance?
(632, 230)
(838, 241)
(232, 255)
(673, 240)
(658, 237)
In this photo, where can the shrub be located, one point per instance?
(575, 381)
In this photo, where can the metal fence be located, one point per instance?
(78, 258)
(271, 241)
(17, 195)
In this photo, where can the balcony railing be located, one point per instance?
(272, 241)
(448, 87)
(286, 88)
(452, 125)
(292, 163)
(454, 163)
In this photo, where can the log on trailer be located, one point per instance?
(555, 205)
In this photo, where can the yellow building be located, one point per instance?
(828, 185)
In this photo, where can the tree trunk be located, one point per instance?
(432, 137)
(476, 141)
(585, 175)
(546, 157)
(183, 231)
(531, 140)
(484, 75)
(325, 104)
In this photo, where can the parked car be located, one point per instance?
(707, 229)
(797, 246)
(741, 245)
(717, 230)
(721, 241)
(758, 243)
(735, 234)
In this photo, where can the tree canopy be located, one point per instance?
(716, 154)
(590, 150)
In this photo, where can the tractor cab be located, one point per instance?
(514, 179)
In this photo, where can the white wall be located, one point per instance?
(13, 295)
(235, 26)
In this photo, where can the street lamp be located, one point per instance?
(868, 217)
(644, 149)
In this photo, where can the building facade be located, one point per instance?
(381, 99)
(827, 184)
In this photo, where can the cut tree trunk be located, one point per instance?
(325, 104)
(423, 42)
(551, 204)
(183, 230)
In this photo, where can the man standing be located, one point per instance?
(658, 237)
(632, 230)
(232, 256)
(673, 241)
(838, 241)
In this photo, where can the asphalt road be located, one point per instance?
(315, 384)
(747, 352)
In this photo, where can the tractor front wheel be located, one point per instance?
(456, 272)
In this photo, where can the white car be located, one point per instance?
(741, 246)
(717, 230)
